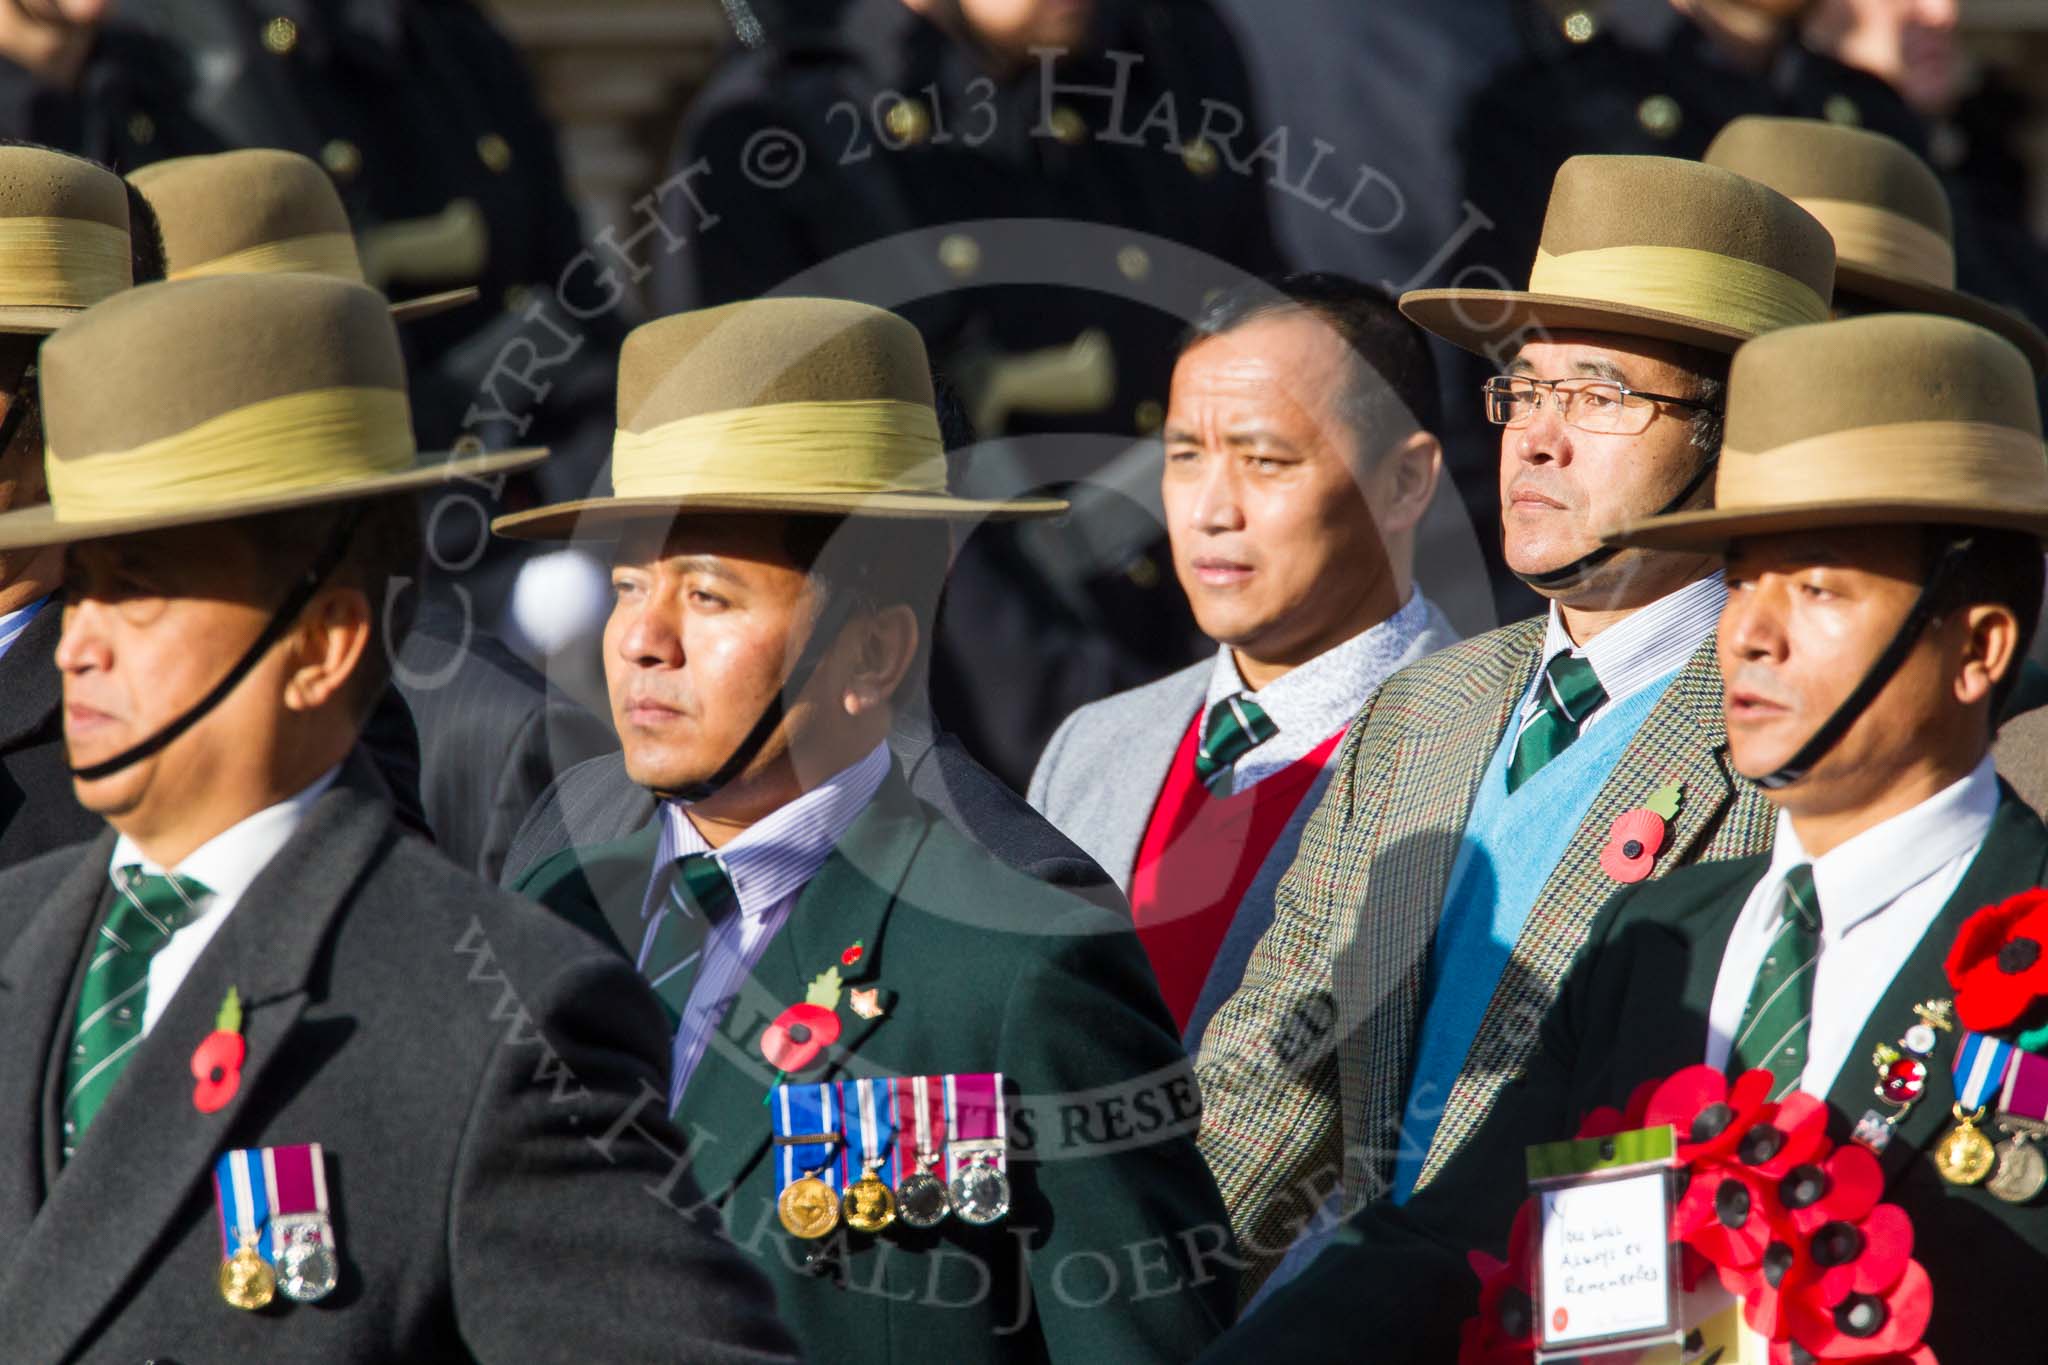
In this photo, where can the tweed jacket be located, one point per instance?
(1634, 1008)
(38, 811)
(973, 967)
(474, 1070)
(1305, 1071)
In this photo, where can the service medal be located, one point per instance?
(2021, 1172)
(981, 1195)
(808, 1207)
(922, 1201)
(868, 1204)
(302, 1242)
(921, 1198)
(1965, 1156)
(247, 1281)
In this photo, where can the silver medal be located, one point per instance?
(2021, 1172)
(307, 1267)
(922, 1201)
(981, 1194)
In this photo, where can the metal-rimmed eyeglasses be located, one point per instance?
(1597, 405)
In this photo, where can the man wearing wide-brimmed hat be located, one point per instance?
(366, 1167)
(1456, 860)
(64, 245)
(1880, 505)
(779, 528)
(491, 734)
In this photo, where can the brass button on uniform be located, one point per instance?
(1659, 115)
(1148, 416)
(342, 158)
(1134, 263)
(960, 254)
(517, 297)
(495, 153)
(1580, 26)
(1068, 126)
(1143, 572)
(141, 129)
(908, 122)
(1841, 109)
(1200, 157)
(280, 36)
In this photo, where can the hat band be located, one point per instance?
(61, 262)
(1951, 462)
(1706, 286)
(301, 442)
(856, 447)
(1876, 238)
(318, 253)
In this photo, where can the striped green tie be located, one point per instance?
(1568, 694)
(1775, 1022)
(1236, 726)
(146, 911)
(699, 896)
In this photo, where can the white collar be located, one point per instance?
(1867, 873)
(228, 862)
(1648, 643)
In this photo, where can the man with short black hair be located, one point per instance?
(1300, 456)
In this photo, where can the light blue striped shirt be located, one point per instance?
(1648, 644)
(15, 622)
(769, 865)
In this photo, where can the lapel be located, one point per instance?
(602, 887)
(150, 1153)
(30, 684)
(848, 901)
(2012, 860)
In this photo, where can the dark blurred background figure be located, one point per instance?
(1049, 221)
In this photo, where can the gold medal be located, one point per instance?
(868, 1205)
(1965, 1156)
(247, 1281)
(2021, 1172)
(808, 1208)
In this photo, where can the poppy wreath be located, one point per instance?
(1998, 966)
(1791, 1223)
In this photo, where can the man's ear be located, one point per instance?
(1408, 474)
(1991, 639)
(883, 646)
(328, 646)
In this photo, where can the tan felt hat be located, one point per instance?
(774, 405)
(1895, 418)
(63, 238)
(1654, 247)
(259, 211)
(208, 399)
(1888, 213)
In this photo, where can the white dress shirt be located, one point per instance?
(1315, 700)
(224, 865)
(1650, 643)
(1878, 893)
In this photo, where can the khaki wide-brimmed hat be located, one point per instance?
(1654, 247)
(775, 405)
(259, 211)
(1895, 418)
(205, 400)
(63, 238)
(1886, 209)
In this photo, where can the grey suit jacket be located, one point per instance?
(1100, 777)
(479, 1074)
(597, 803)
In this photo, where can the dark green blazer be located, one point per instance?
(1633, 1008)
(1116, 1245)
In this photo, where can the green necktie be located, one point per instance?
(1236, 726)
(1774, 1023)
(1569, 693)
(699, 896)
(146, 911)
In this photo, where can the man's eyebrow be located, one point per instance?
(1519, 365)
(1601, 369)
(711, 566)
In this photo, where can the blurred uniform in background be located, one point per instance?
(877, 150)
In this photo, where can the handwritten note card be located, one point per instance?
(1606, 1262)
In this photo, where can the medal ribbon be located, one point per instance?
(804, 1113)
(873, 1136)
(244, 1195)
(917, 1097)
(2026, 1087)
(974, 1111)
(1980, 1067)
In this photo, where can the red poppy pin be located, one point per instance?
(1999, 968)
(853, 954)
(1636, 837)
(217, 1061)
(805, 1029)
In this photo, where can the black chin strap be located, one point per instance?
(831, 620)
(281, 621)
(1556, 580)
(1925, 608)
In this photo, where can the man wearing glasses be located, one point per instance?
(1469, 832)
